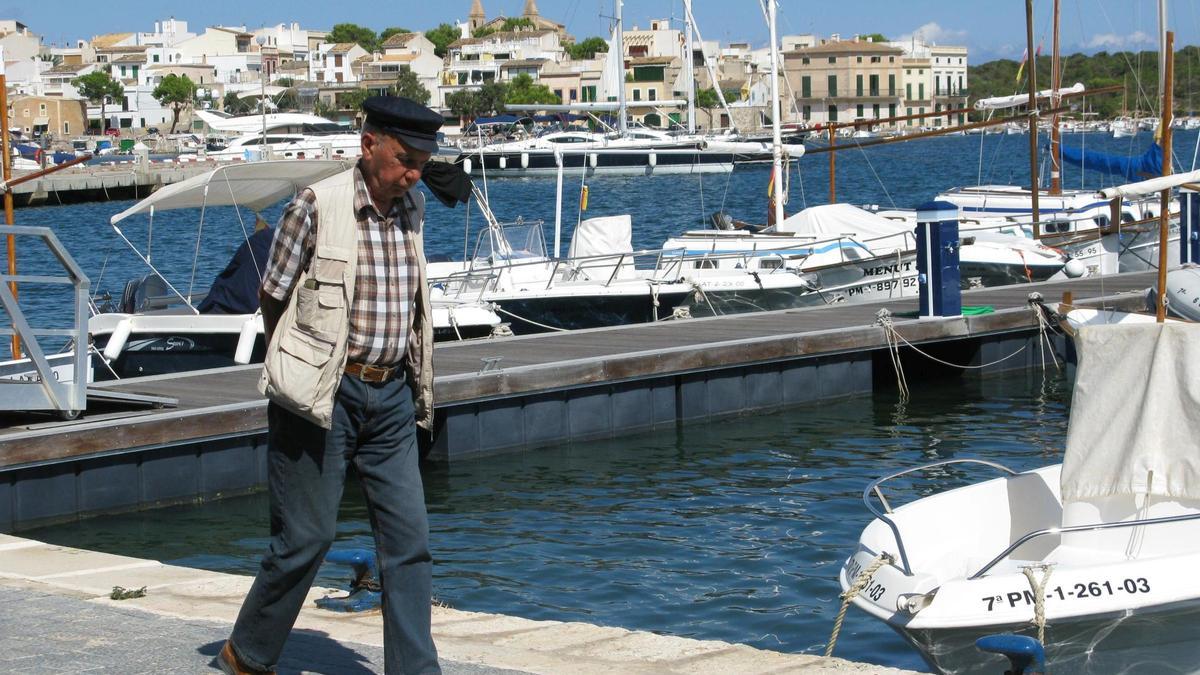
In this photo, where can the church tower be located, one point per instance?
(531, 10)
(476, 18)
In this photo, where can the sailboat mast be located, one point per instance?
(1055, 133)
(776, 136)
(689, 67)
(1033, 128)
(1164, 214)
(620, 48)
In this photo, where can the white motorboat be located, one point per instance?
(1116, 527)
(294, 141)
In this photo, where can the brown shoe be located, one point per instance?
(230, 664)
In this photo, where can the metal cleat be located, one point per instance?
(364, 587)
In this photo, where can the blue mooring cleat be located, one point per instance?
(1024, 653)
(364, 587)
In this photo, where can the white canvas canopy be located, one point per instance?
(1135, 415)
(602, 236)
(1017, 100)
(255, 186)
(880, 234)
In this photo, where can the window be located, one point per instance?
(833, 59)
(908, 91)
(858, 59)
(875, 59)
(874, 83)
(804, 61)
(653, 94)
(42, 108)
(891, 110)
(859, 112)
(891, 85)
(66, 127)
(122, 71)
(832, 85)
(589, 93)
(337, 62)
(832, 113)
(806, 86)
(875, 110)
(637, 94)
(156, 58)
(574, 94)
(891, 59)
(558, 93)
(858, 90)
(921, 91)
(807, 112)
(910, 122)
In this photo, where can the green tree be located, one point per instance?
(469, 104)
(234, 104)
(441, 37)
(389, 32)
(353, 99)
(507, 26)
(323, 109)
(351, 32)
(98, 86)
(409, 86)
(175, 91)
(491, 97)
(588, 48)
(873, 37)
(707, 98)
(523, 90)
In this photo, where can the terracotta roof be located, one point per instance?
(131, 58)
(141, 49)
(342, 47)
(109, 39)
(235, 31)
(68, 68)
(845, 47)
(398, 40)
(651, 60)
(500, 37)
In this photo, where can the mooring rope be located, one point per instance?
(531, 321)
(884, 318)
(1039, 596)
(860, 582)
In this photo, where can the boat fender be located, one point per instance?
(592, 160)
(467, 166)
(1074, 268)
(116, 341)
(1025, 654)
(653, 159)
(503, 162)
(246, 338)
(524, 160)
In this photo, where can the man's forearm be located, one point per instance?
(272, 310)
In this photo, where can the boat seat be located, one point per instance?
(1130, 542)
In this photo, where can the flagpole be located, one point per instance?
(1033, 119)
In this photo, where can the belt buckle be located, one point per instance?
(375, 374)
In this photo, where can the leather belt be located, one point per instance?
(369, 373)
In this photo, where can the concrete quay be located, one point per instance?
(59, 618)
(134, 179)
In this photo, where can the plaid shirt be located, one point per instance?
(385, 282)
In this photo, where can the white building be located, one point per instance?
(477, 61)
(405, 51)
(338, 63)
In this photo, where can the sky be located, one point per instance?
(990, 28)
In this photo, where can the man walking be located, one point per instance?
(349, 375)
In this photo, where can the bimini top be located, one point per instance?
(254, 185)
(1135, 412)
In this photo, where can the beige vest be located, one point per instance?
(307, 354)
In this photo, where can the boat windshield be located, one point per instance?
(512, 241)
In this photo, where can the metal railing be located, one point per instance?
(47, 392)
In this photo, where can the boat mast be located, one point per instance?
(619, 38)
(1164, 214)
(1055, 133)
(689, 69)
(1033, 119)
(776, 136)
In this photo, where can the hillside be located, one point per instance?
(1137, 71)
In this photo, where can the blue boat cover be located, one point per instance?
(235, 290)
(1133, 168)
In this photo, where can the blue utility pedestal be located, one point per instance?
(1189, 227)
(937, 260)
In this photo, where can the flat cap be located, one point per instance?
(406, 119)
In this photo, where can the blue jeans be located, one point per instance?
(373, 426)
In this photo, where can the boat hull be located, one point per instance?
(535, 163)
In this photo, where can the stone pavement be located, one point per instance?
(45, 633)
(58, 617)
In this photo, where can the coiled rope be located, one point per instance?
(860, 582)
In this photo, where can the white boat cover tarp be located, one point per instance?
(1003, 102)
(1150, 186)
(602, 236)
(1135, 410)
(881, 235)
(254, 185)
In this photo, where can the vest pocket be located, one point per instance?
(301, 361)
(320, 311)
